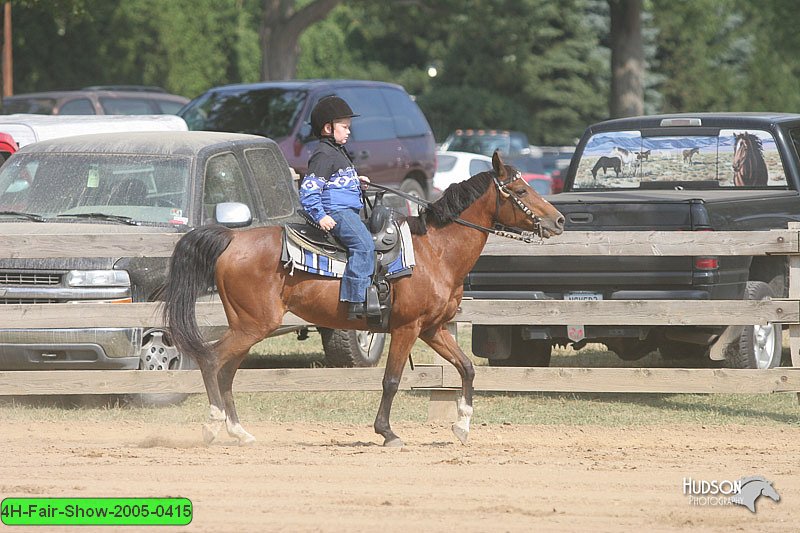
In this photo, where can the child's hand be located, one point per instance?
(364, 182)
(327, 223)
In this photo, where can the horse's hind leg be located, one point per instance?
(446, 345)
(216, 412)
(235, 346)
(399, 350)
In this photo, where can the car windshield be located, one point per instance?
(38, 106)
(145, 188)
(272, 113)
(484, 144)
(728, 159)
(487, 141)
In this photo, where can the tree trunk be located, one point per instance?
(281, 27)
(627, 59)
(8, 67)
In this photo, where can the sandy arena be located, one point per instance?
(304, 477)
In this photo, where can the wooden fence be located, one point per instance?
(437, 377)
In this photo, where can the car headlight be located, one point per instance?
(98, 278)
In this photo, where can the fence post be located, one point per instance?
(442, 404)
(794, 293)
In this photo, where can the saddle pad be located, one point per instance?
(316, 261)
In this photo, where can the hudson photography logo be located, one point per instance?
(744, 491)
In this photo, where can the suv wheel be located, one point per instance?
(348, 348)
(760, 345)
(158, 354)
(412, 187)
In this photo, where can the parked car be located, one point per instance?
(555, 160)
(486, 141)
(29, 128)
(7, 146)
(391, 141)
(533, 172)
(453, 167)
(95, 102)
(140, 182)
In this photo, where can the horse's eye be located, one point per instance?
(520, 192)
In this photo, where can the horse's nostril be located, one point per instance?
(560, 222)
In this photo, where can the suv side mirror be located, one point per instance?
(233, 214)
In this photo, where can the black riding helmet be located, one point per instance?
(327, 110)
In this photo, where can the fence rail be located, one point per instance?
(669, 243)
(438, 377)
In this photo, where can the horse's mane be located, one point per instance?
(755, 139)
(455, 199)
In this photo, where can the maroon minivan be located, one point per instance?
(391, 141)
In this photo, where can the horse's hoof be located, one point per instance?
(247, 440)
(393, 443)
(461, 433)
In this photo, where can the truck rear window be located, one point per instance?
(730, 159)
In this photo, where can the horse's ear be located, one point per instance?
(499, 167)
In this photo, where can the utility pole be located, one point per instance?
(8, 67)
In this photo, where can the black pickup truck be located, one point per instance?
(683, 172)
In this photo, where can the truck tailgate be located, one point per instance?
(595, 212)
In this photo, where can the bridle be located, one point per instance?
(501, 230)
(506, 231)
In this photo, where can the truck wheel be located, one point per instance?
(346, 348)
(157, 354)
(525, 352)
(412, 187)
(760, 346)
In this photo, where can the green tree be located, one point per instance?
(773, 66)
(702, 53)
(184, 46)
(537, 54)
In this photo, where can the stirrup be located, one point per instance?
(356, 310)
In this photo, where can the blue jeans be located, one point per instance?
(353, 233)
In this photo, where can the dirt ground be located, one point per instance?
(304, 477)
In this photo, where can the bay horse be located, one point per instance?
(256, 290)
(749, 167)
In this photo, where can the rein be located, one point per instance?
(501, 230)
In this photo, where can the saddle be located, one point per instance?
(382, 224)
(385, 232)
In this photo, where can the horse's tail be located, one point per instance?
(191, 273)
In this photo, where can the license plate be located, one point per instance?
(583, 296)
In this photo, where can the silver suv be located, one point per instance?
(96, 101)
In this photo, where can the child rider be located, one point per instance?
(331, 194)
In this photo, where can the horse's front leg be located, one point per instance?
(399, 350)
(443, 343)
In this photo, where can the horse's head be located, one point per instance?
(741, 145)
(519, 206)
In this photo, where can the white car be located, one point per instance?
(453, 167)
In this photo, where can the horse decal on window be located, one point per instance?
(749, 167)
(605, 163)
(689, 153)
